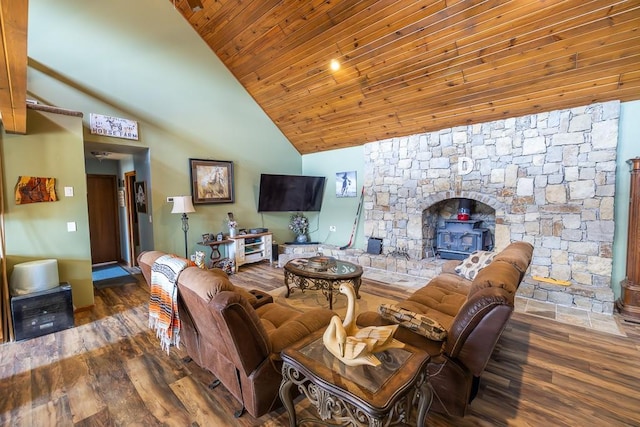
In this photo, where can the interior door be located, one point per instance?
(104, 226)
(133, 232)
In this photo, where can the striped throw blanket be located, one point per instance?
(163, 305)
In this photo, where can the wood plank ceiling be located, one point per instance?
(415, 66)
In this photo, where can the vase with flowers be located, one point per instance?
(233, 225)
(299, 224)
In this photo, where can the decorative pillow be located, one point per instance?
(415, 322)
(475, 262)
(200, 259)
(227, 265)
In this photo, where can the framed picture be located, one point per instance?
(346, 184)
(140, 189)
(211, 181)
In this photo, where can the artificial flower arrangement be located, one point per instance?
(299, 223)
(231, 222)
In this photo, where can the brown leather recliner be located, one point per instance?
(239, 344)
(474, 313)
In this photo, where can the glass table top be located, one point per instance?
(372, 378)
(325, 265)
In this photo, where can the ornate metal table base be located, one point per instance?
(328, 287)
(336, 404)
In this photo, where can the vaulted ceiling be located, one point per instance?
(405, 66)
(413, 66)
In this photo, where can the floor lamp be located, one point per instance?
(183, 205)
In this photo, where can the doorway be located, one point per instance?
(133, 231)
(104, 225)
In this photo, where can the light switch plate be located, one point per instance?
(68, 191)
(71, 226)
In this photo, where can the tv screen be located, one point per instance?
(290, 193)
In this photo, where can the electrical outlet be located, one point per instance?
(332, 228)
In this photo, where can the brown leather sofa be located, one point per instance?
(474, 314)
(228, 331)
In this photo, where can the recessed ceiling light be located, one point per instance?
(335, 65)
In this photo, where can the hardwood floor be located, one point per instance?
(110, 371)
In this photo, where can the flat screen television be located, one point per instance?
(290, 193)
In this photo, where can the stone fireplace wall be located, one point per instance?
(550, 177)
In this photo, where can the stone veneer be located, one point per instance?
(550, 178)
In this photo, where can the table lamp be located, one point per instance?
(183, 205)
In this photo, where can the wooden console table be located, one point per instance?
(215, 248)
(243, 248)
(356, 395)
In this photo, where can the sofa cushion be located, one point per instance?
(284, 325)
(415, 322)
(444, 294)
(475, 262)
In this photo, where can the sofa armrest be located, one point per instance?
(372, 318)
(245, 339)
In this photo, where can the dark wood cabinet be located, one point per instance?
(629, 302)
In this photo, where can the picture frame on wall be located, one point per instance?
(140, 195)
(346, 185)
(211, 181)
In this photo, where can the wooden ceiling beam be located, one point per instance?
(13, 65)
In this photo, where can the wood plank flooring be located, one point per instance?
(110, 371)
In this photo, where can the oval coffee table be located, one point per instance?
(321, 273)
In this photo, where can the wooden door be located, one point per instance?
(133, 232)
(104, 226)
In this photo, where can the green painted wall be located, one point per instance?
(628, 148)
(100, 59)
(103, 59)
(337, 211)
(53, 147)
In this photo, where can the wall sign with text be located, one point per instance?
(113, 126)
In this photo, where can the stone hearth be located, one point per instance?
(549, 177)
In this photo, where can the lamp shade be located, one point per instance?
(182, 204)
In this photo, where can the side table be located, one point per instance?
(302, 273)
(361, 395)
(215, 249)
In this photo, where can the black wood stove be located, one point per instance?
(458, 238)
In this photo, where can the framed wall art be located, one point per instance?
(211, 181)
(140, 188)
(346, 184)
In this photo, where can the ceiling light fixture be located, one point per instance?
(195, 5)
(335, 65)
(100, 155)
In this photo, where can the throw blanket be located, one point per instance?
(163, 305)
